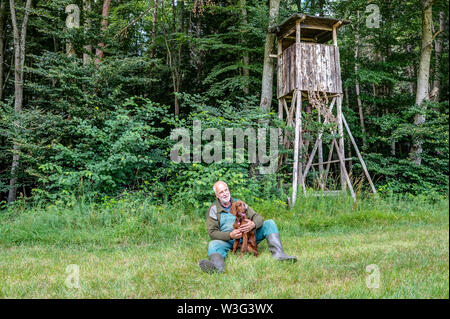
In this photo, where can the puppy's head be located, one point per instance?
(238, 209)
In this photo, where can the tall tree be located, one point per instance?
(173, 48)
(19, 61)
(357, 88)
(72, 21)
(410, 70)
(268, 69)
(245, 55)
(2, 42)
(155, 16)
(87, 8)
(105, 14)
(438, 44)
(423, 76)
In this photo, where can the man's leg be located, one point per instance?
(220, 247)
(269, 227)
(217, 252)
(269, 231)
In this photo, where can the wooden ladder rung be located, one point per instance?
(335, 161)
(326, 193)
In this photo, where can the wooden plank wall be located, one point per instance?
(320, 69)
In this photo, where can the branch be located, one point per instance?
(25, 19)
(14, 19)
(133, 22)
(436, 34)
(432, 39)
(24, 32)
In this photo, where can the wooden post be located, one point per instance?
(363, 164)
(341, 159)
(298, 81)
(327, 169)
(331, 162)
(335, 26)
(297, 170)
(296, 148)
(320, 154)
(341, 148)
(316, 145)
(279, 79)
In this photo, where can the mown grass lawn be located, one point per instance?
(135, 250)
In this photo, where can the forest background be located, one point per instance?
(86, 112)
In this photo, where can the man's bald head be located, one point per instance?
(219, 184)
(222, 192)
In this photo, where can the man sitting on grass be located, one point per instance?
(219, 222)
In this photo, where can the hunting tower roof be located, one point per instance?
(316, 29)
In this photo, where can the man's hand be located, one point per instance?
(248, 226)
(236, 234)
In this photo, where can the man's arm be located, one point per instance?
(212, 224)
(255, 217)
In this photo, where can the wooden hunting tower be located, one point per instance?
(309, 69)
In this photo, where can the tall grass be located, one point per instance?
(131, 248)
(137, 220)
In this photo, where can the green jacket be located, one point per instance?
(213, 221)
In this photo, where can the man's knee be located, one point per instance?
(215, 244)
(270, 227)
(218, 246)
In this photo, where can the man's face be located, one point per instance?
(222, 193)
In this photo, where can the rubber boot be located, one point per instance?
(274, 244)
(215, 263)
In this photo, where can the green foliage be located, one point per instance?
(191, 184)
(80, 136)
(398, 174)
(102, 128)
(101, 158)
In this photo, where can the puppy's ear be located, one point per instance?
(233, 209)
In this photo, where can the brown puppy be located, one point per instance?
(248, 239)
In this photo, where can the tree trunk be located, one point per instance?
(176, 72)
(389, 93)
(155, 16)
(87, 9)
(350, 162)
(19, 61)
(152, 43)
(358, 97)
(173, 55)
(347, 98)
(268, 69)
(410, 70)
(2, 43)
(423, 76)
(438, 52)
(200, 54)
(245, 56)
(105, 13)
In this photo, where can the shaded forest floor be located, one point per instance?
(131, 249)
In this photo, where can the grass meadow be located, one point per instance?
(131, 248)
